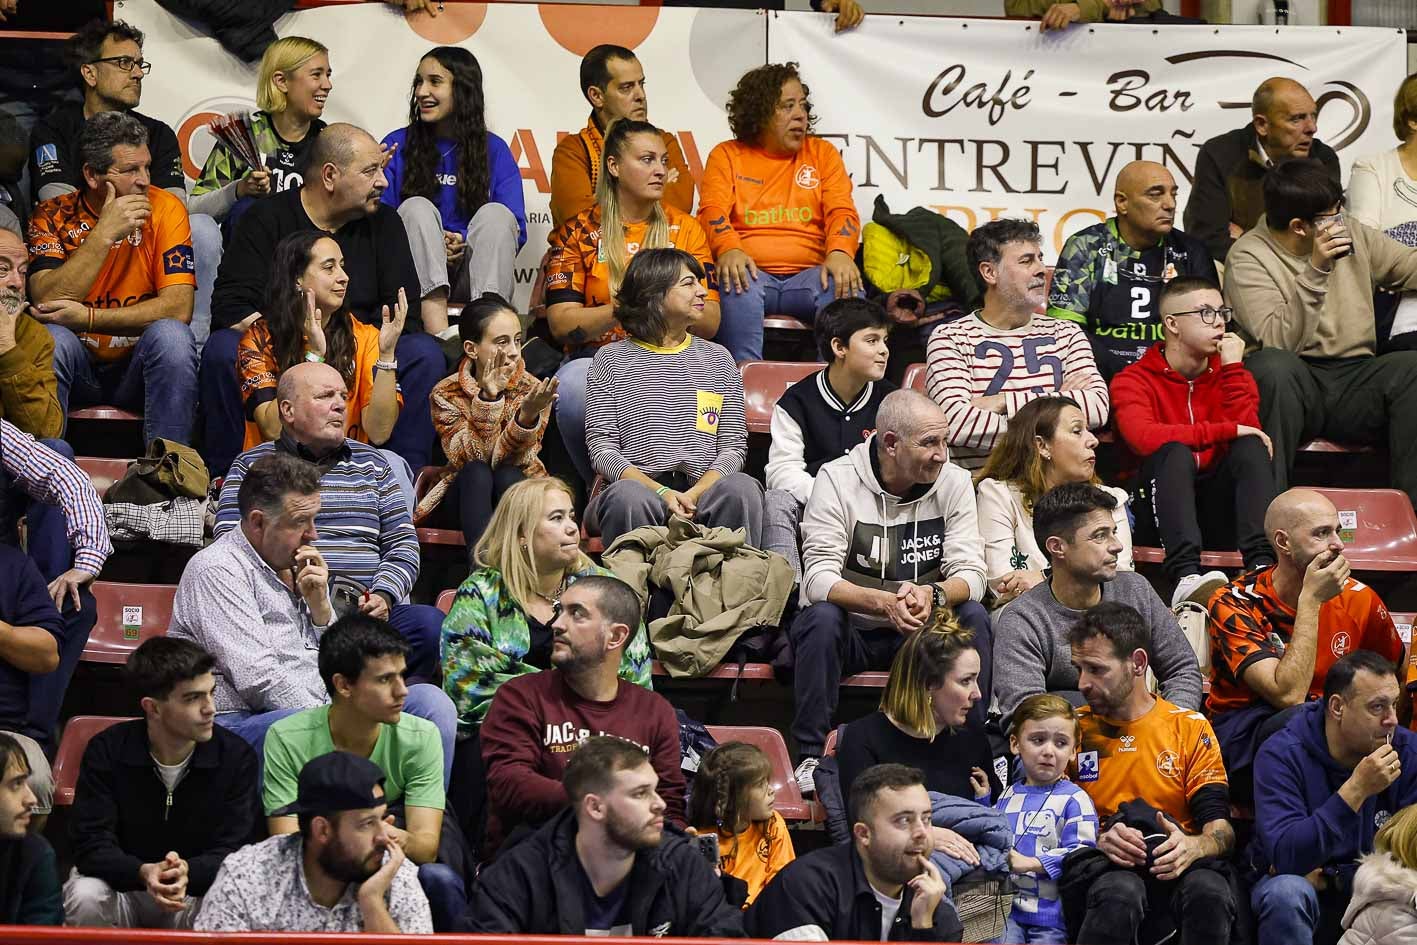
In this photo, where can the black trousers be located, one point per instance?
(1223, 508)
(1200, 902)
(474, 495)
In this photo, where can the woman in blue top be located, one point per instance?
(455, 185)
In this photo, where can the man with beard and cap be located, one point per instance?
(1324, 784)
(29, 878)
(1110, 275)
(537, 722)
(1154, 773)
(606, 865)
(879, 887)
(982, 368)
(344, 871)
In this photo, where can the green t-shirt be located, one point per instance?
(410, 753)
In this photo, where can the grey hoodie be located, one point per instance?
(854, 530)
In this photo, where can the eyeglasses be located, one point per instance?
(125, 63)
(1211, 316)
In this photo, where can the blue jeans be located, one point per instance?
(422, 626)
(159, 378)
(1015, 934)
(800, 295)
(1286, 910)
(206, 252)
(570, 413)
(446, 892)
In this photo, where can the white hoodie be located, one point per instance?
(856, 531)
(1383, 910)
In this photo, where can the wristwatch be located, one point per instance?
(937, 593)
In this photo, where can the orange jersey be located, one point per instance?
(1163, 758)
(258, 373)
(785, 212)
(757, 854)
(579, 272)
(137, 268)
(1249, 623)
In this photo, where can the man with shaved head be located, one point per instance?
(889, 537)
(1275, 631)
(1110, 275)
(340, 195)
(1226, 198)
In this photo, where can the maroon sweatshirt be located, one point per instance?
(534, 724)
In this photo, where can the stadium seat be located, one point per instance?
(764, 383)
(445, 600)
(914, 378)
(104, 413)
(77, 733)
(102, 470)
(789, 801)
(784, 323)
(434, 536)
(875, 679)
(729, 671)
(128, 614)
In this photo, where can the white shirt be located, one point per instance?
(889, 908)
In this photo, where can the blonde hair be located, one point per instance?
(506, 543)
(607, 195)
(283, 56)
(1045, 705)
(1399, 837)
(1404, 108)
(920, 665)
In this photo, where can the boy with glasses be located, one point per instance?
(1190, 411)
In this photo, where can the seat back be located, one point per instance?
(914, 378)
(445, 600)
(764, 383)
(128, 614)
(1379, 528)
(78, 731)
(789, 801)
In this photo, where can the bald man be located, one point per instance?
(889, 536)
(1275, 631)
(344, 180)
(1110, 275)
(1226, 198)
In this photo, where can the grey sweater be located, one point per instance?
(1032, 655)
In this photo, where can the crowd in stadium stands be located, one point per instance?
(333, 331)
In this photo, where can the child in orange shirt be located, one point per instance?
(733, 795)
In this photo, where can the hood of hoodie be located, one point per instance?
(861, 462)
(1381, 880)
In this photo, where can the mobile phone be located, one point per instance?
(708, 848)
(345, 594)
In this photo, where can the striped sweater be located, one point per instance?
(365, 531)
(969, 358)
(665, 410)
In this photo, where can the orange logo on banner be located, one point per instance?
(457, 22)
(578, 34)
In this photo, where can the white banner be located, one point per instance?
(986, 118)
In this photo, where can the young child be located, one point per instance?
(1049, 814)
(1383, 910)
(733, 795)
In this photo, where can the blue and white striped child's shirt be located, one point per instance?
(1047, 823)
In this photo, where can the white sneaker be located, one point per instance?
(805, 775)
(1197, 588)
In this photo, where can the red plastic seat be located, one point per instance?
(914, 378)
(434, 536)
(102, 471)
(77, 733)
(784, 323)
(1329, 446)
(875, 679)
(445, 601)
(789, 801)
(128, 614)
(764, 383)
(103, 412)
(756, 671)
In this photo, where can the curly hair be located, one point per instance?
(469, 135)
(753, 100)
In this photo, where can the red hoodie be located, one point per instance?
(1152, 405)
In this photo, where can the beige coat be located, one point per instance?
(1383, 910)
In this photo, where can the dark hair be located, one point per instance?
(354, 640)
(616, 600)
(87, 44)
(285, 310)
(753, 101)
(1299, 189)
(160, 663)
(106, 131)
(1015, 458)
(1121, 625)
(1339, 680)
(874, 780)
(477, 313)
(842, 319)
(595, 66)
(594, 763)
(719, 800)
(639, 305)
(11, 750)
(1185, 285)
(273, 477)
(987, 242)
(1060, 510)
(469, 116)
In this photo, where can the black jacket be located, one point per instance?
(242, 26)
(535, 888)
(1228, 187)
(828, 889)
(211, 813)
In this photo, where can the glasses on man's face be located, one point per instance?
(125, 63)
(1211, 316)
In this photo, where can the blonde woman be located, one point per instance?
(499, 626)
(1383, 910)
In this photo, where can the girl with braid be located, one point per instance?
(733, 796)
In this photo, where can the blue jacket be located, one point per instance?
(982, 826)
(1301, 823)
(504, 181)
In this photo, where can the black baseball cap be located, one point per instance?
(335, 782)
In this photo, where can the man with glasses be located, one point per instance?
(1302, 283)
(1189, 409)
(1110, 276)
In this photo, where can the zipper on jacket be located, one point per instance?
(167, 808)
(1191, 413)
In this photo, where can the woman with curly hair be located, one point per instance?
(455, 185)
(776, 203)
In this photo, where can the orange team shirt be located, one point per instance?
(579, 272)
(762, 850)
(1164, 758)
(138, 266)
(785, 212)
(256, 369)
(1250, 623)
